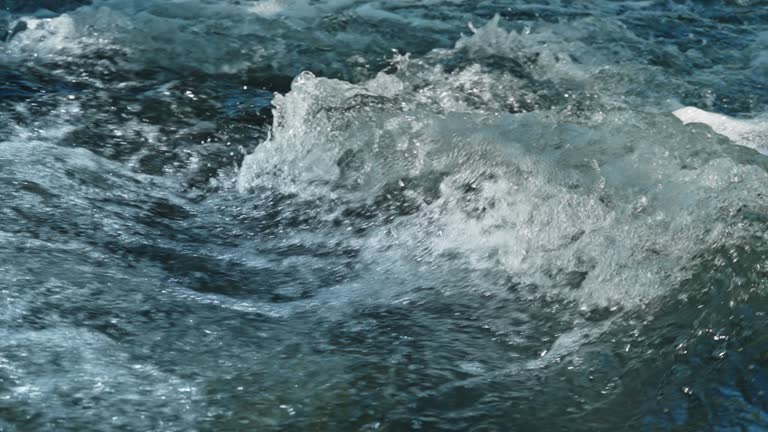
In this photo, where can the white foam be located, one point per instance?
(749, 133)
(216, 37)
(607, 213)
(71, 363)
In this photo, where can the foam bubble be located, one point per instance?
(749, 133)
(607, 212)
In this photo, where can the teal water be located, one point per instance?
(242, 215)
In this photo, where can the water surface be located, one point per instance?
(239, 215)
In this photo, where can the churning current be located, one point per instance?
(392, 215)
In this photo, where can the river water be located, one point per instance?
(332, 215)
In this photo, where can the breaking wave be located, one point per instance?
(552, 218)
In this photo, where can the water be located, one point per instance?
(430, 215)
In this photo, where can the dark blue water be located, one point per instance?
(279, 215)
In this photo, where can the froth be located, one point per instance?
(611, 211)
(749, 133)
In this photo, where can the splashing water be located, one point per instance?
(348, 215)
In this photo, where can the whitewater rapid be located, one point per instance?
(369, 215)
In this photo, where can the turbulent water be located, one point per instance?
(344, 215)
